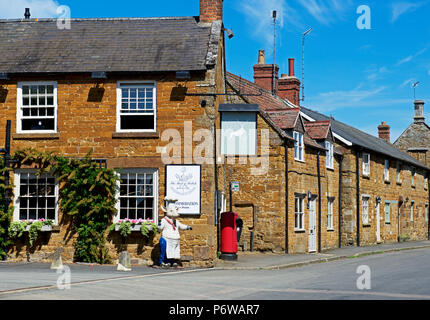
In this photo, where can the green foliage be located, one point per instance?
(17, 228)
(86, 193)
(124, 226)
(5, 213)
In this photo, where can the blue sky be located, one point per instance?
(361, 77)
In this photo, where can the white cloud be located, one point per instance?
(411, 57)
(38, 8)
(407, 82)
(259, 16)
(341, 99)
(326, 11)
(400, 8)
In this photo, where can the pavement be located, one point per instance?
(271, 261)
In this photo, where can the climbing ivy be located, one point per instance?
(86, 193)
(5, 215)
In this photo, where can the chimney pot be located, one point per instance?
(27, 13)
(291, 67)
(261, 57)
(384, 131)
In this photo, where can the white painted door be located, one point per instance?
(378, 223)
(312, 227)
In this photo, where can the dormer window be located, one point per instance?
(298, 146)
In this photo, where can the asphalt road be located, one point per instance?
(398, 275)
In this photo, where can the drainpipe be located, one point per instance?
(357, 177)
(428, 208)
(319, 201)
(286, 197)
(340, 201)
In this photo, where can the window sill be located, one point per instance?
(388, 223)
(330, 168)
(387, 182)
(44, 228)
(135, 135)
(399, 183)
(137, 227)
(366, 225)
(330, 230)
(365, 176)
(35, 136)
(298, 160)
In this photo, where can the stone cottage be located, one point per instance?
(132, 96)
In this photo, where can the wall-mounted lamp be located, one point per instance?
(378, 199)
(407, 199)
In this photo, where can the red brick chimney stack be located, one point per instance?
(384, 131)
(289, 86)
(263, 73)
(211, 10)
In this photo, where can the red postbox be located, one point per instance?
(228, 236)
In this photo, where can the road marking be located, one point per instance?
(12, 291)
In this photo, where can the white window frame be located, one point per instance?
(426, 181)
(387, 205)
(329, 155)
(299, 216)
(132, 83)
(16, 200)
(19, 105)
(330, 226)
(387, 170)
(154, 171)
(366, 166)
(365, 210)
(299, 150)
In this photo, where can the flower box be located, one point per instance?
(44, 228)
(136, 227)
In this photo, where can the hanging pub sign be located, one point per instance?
(183, 183)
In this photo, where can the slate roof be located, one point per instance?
(362, 139)
(107, 44)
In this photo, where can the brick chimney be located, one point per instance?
(289, 86)
(384, 131)
(419, 111)
(210, 10)
(263, 73)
